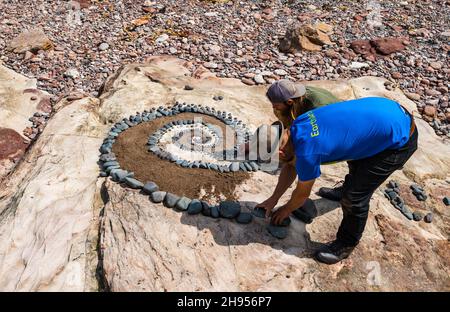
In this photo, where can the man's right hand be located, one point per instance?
(268, 205)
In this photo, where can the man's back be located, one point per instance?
(348, 130)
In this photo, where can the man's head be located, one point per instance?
(282, 94)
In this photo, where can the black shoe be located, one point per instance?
(333, 252)
(334, 194)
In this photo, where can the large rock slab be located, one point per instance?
(50, 207)
(19, 100)
(50, 203)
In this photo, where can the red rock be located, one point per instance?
(248, 81)
(363, 47)
(386, 46)
(397, 75)
(84, 3)
(12, 146)
(429, 110)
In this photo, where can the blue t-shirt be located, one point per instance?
(347, 130)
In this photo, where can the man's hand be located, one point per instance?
(278, 216)
(268, 205)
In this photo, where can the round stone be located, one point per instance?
(170, 200)
(229, 209)
(244, 218)
(103, 46)
(157, 197)
(150, 187)
(195, 207)
(183, 203)
(428, 218)
(279, 232)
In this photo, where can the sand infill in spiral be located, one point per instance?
(132, 154)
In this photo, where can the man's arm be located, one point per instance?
(298, 198)
(287, 176)
(285, 180)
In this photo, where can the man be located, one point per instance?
(289, 100)
(375, 135)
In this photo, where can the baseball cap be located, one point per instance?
(283, 90)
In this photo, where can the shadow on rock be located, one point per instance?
(227, 232)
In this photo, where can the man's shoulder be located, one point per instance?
(320, 95)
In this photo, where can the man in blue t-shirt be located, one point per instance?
(376, 136)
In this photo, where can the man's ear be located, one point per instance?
(290, 102)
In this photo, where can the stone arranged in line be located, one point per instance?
(227, 209)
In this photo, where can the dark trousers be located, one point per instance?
(364, 177)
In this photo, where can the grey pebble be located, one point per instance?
(150, 187)
(195, 207)
(234, 167)
(244, 218)
(183, 203)
(170, 200)
(108, 170)
(157, 197)
(133, 183)
(229, 209)
(446, 201)
(279, 232)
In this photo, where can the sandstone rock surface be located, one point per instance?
(60, 223)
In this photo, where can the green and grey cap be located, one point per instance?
(283, 90)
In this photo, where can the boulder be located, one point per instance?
(30, 40)
(305, 37)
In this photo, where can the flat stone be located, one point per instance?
(242, 167)
(150, 187)
(428, 217)
(279, 232)
(171, 200)
(195, 207)
(103, 174)
(110, 163)
(157, 197)
(133, 183)
(119, 175)
(244, 218)
(215, 212)
(183, 203)
(229, 209)
(259, 212)
(108, 170)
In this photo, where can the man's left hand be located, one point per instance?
(278, 216)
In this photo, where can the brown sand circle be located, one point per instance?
(132, 154)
